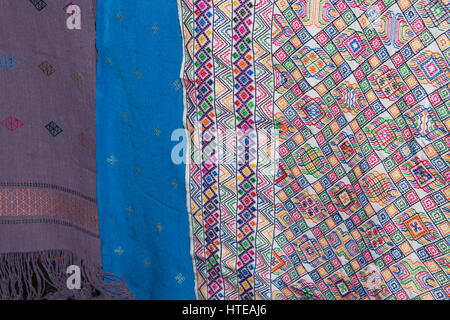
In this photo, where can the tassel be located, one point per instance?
(43, 276)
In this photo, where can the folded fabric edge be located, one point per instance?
(43, 275)
(188, 149)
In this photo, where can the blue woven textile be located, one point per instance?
(141, 192)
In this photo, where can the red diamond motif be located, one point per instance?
(12, 123)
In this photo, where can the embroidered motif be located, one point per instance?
(53, 128)
(78, 79)
(7, 62)
(12, 123)
(47, 68)
(38, 4)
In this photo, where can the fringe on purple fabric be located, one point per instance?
(43, 276)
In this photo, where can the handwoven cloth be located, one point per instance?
(48, 210)
(141, 192)
(319, 148)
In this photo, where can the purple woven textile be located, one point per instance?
(48, 209)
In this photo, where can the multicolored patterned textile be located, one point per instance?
(318, 157)
(49, 233)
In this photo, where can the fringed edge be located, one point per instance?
(43, 276)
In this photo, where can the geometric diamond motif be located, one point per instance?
(347, 149)
(424, 122)
(416, 227)
(7, 62)
(12, 123)
(344, 198)
(313, 63)
(438, 11)
(38, 4)
(384, 134)
(53, 128)
(47, 68)
(353, 45)
(431, 68)
(422, 175)
(387, 83)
